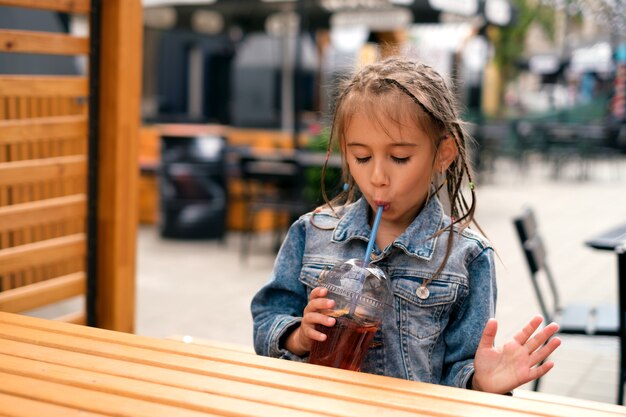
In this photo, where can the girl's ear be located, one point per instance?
(446, 153)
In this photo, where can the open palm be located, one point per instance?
(502, 369)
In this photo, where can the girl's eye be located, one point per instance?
(362, 160)
(400, 160)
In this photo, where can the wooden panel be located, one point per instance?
(70, 6)
(120, 92)
(42, 157)
(12, 173)
(35, 129)
(42, 43)
(43, 85)
(45, 211)
(41, 293)
(33, 254)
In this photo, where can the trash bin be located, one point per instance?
(193, 193)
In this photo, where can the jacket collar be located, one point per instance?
(416, 240)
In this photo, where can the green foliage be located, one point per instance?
(332, 179)
(509, 41)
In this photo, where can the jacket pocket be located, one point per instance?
(311, 272)
(423, 315)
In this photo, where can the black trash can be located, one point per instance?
(192, 186)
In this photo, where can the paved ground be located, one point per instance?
(203, 290)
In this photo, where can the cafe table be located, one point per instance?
(50, 369)
(614, 240)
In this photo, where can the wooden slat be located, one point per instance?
(69, 6)
(2, 109)
(41, 293)
(43, 86)
(140, 390)
(46, 251)
(44, 211)
(87, 399)
(42, 128)
(12, 173)
(11, 111)
(14, 406)
(542, 397)
(263, 371)
(221, 345)
(42, 43)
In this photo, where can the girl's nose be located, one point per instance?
(379, 175)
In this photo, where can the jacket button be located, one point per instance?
(422, 292)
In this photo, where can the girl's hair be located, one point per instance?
(394, 88)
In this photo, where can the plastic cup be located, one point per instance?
(361, 295)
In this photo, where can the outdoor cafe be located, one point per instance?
(92, 145)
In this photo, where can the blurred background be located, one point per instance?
(235, 105)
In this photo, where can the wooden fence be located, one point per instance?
(43, 173)
(44, 151)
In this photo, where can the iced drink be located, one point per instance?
(361, 295)
(346, 343)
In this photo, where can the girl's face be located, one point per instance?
(392, 163)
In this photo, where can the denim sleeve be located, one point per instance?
(278, 306)
(466, 325)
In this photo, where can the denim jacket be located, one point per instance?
(431, 339)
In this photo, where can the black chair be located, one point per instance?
(581, 319)
(490, 137)
(273, 183)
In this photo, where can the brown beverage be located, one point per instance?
(345, 345)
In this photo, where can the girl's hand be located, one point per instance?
(501, 369)
(299, 341)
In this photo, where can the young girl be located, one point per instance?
(403, 146)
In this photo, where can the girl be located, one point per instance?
(402, 147)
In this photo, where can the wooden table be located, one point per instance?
(56, 369)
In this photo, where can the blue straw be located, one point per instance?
(370, 245)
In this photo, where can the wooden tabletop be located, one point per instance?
(55, 369)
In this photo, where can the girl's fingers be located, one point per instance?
(523, 335)
(312, 319)
(318, 304)
(540, 371)
(540, 338)
(315, 335)
(489, 334)
(543, 353)
(309, 329)
(318, 292)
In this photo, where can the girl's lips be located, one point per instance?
(385, 204)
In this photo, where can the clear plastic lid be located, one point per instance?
(352, 284)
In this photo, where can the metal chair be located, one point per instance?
(581, 319)
(273, 183)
